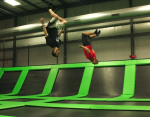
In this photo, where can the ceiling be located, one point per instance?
(28, 7)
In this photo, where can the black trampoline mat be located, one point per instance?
(144, 103)
(21, 100)
(34, 82)
(8, 81)
(60, 112)
(107, 82)
(142, 82)
(67, 82)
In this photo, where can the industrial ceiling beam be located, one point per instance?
(45, 2)
(8, 11)
(80, 2)
(62, 2)
(2, 14)
(31, 4)
(68, 5)
(130, 3)
(101, 17)
(22, 9)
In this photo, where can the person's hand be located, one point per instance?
(42, 20)
(80, 46)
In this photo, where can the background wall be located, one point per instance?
(114, 42)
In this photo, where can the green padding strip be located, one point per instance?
(20, 81)
(50, 81)
(75, 65)
(129, 82)
(27, 68)
(91, 106)
(11, 105)
(86, 80)
(143, 62)
(90, 99)
(130, 62)
(1, 73)
(110, 63)
(120, 107)
(6, 116)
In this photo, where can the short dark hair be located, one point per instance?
(54, 54)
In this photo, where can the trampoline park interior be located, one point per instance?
(33, 83)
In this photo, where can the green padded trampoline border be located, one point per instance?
(127, 94)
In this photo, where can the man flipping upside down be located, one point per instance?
(51, 31)
(87, 48)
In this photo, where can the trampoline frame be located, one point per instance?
(127, 93)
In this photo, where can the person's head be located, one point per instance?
(56, 52)
(95, 61)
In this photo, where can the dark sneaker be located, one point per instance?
(50, 6)
(95, 32)
(98, 33)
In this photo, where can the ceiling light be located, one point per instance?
(95, 15)
(12, 2)
(144, 8)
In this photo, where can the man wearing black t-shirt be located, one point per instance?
(51, 31)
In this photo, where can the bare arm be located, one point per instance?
(59, 34)
(93, 50)
(86, 49)
(45, 31)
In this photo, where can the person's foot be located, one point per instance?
(95, 32)
(50, 6)
(98, 33)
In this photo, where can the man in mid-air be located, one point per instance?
(51, 31)
(87, 48)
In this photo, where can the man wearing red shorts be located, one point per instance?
(87, 48)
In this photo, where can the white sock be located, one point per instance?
(53, 19)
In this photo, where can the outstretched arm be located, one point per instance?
(86, 49)
(93, 50)
(59, 34)
(44, 29)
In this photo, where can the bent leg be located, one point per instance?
(57, 17)
(88, 33)
(92, 36)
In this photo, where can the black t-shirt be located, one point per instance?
(53, 32)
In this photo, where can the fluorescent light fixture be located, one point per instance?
(96, 15)
(12, 2)
(30, 26)
(144, 8)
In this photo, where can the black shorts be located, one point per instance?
(86, 40)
